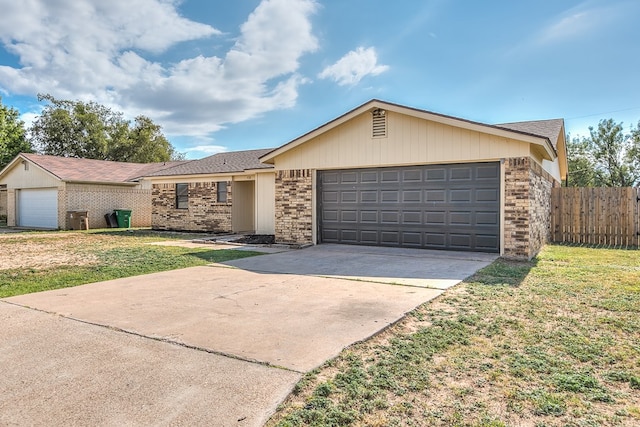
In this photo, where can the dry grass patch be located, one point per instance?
(33, 262)
(552, 342)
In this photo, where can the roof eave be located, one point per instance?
(77, 181)
(427, 115)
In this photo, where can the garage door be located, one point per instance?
(454, 207)
(38, 208)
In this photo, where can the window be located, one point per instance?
(222, 192)
(182, 196)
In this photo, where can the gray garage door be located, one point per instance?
(454, 207)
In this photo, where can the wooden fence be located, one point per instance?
(596, 216)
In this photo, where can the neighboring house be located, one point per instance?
(41, 190)
(381, 174)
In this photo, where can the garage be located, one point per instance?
(37, 207)
(451, 207)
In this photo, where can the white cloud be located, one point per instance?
(354, 66)
(207, 149)
(98, 50)
(579, 21)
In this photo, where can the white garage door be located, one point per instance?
(38, 207)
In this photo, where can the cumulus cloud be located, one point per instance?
(97, 50)
(354, 66)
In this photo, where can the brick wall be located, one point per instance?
(204, 213)
(527, 208)
(294, 199)
(99, 200)
(541, 183)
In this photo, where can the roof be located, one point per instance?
(90, 170)
(542, 140)
(235, 161)
(550, 129)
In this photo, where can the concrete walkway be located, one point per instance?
(216, 345)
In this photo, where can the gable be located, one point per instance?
(409, 140)
(21, 173)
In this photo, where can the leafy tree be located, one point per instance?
(94, 131)
(144, 143)
(581, 164)
(13, 139)
(607, 158)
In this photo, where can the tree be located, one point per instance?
(13, 139)
(93, 131)
(145, 143)
(607, 158)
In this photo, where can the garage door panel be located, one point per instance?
(390, 196)
(369, 177)
(434, 206)
(349, 177)
(369, 237)
(436, 174)
(349, 216)
(369, 216)
(489, 172)
(486, 241)
(461, 173)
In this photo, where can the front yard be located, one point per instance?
(33, 262)
(552, 342)
(555, 341)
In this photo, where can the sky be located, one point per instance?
(245, 74)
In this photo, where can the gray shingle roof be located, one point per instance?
(235, 161)
(546, 128)
(89, 170)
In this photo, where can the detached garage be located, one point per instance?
(391, 175)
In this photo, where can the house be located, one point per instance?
(381, 174)
(41, 189)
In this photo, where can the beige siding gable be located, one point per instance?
(25, 174)
(410, 140)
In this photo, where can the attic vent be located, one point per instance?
(379, 122)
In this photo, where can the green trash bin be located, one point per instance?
(123, 217)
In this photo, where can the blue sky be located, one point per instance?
(248, 74)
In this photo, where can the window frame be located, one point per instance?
(222, 189)
(182, 200)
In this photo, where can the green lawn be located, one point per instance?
(555, 341)
(57, 260)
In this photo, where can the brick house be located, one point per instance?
(40, 190)
(381, 174)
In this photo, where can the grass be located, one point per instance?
(555, 341)
(103, 255)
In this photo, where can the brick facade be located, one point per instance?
(527, 208)
(99, 200)
(294, 198)
(203, 213)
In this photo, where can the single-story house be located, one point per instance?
(381, 174)
(41, 189)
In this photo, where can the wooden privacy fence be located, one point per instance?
(596, 216)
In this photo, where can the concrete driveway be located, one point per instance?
(215, 345)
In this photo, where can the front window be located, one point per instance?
(222, 192)
(182, 196)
